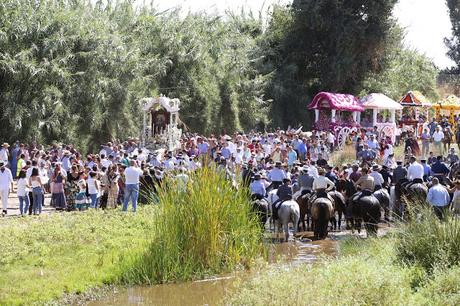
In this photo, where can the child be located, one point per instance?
(23, 193)
(81, 201)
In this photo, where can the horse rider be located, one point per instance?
(248, 173)
(415, 172)
(439, 169)
(257, 187)
(305, 181)
(426, 170)
(284, 193)
(387, 177)
(366, 183)
(277, 175)
(452, 157)
(321, 184)
(378, 178)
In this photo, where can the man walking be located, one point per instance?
(6, 181)
(438, 137)
(132, 176)
(439, 198)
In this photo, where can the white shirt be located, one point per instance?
(378, 178)
(322, 182)
(313, 171)
(22, 189)
(330, 138)
(415, 171)
(4, 154)
(5, 179)
(438, 136)
(92, 186)
(106, 163)
(29, 172)
(132, 175)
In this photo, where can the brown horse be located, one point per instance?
(304, 206)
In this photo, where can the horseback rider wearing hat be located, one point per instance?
(257, 187)
(284, 193)
(321, 184)
(305, 181)
(277, 176)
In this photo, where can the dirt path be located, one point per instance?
(13, 204)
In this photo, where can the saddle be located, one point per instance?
(321, 194)
(361, 194)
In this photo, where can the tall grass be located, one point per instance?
(344, 156)
(430, 243)
(207, 229)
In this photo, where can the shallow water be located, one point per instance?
(212, 291)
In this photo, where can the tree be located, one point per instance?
(331, 45)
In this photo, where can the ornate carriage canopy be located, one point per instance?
(342, 102)
(451, 102)
(415, 98)
(380, 102)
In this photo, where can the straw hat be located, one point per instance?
(5, 145)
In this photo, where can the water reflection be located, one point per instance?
(211, 292)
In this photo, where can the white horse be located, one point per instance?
(288, 211)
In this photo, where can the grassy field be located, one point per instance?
(402, 269)
(204, 230)
(43, 257)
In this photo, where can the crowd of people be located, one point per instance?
(291, 161)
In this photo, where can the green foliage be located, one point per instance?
(454, 42)
(430, 244)
(71, 71)
(45, 257)
(205, 230)
(330, 45)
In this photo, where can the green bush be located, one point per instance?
(429, 243)
(207, 229)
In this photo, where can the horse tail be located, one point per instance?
(323, 219)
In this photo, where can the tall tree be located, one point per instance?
(453, 43)
(331, 45)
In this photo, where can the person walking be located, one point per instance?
(438, 137)
(93, 189)
(37, 191)
(23, 193)
(57, 189)
(439, 198)
(6, 182)
(132, 177)
(426, 138)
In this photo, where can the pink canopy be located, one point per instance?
(343, 102)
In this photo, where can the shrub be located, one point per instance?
(428, 242)
(206, 229)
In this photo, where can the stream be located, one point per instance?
(212, 291)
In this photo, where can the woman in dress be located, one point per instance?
(71, 188)
(110, 182)
(57, 189)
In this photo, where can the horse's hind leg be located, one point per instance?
(286, 231)
(339, 217)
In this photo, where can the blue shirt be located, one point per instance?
(426, 169)
(438, 196)
(439, 168)
(226, 153)
(292, 157)
(257, 187)
(302, 148)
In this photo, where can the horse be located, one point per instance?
(348, 189)
(417, 193)
(322, 210)
(272, 197)
(454, 171)
(288, 211)
(261, 208)
(303, 201)
(340, 206)
(385, 202)
(366, 209)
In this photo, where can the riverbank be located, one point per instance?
(44, 257)
(416, 265)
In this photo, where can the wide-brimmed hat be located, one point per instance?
(375, 167)
(5, 144)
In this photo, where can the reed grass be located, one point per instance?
(207, 229)
(344, 156)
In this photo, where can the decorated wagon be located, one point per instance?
(415, 110)
(380, 112)
(337, 113)
(160, 123)
(449, 107)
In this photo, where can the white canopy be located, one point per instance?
(379, 101)
(171, 105)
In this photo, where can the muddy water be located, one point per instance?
(212, 291)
